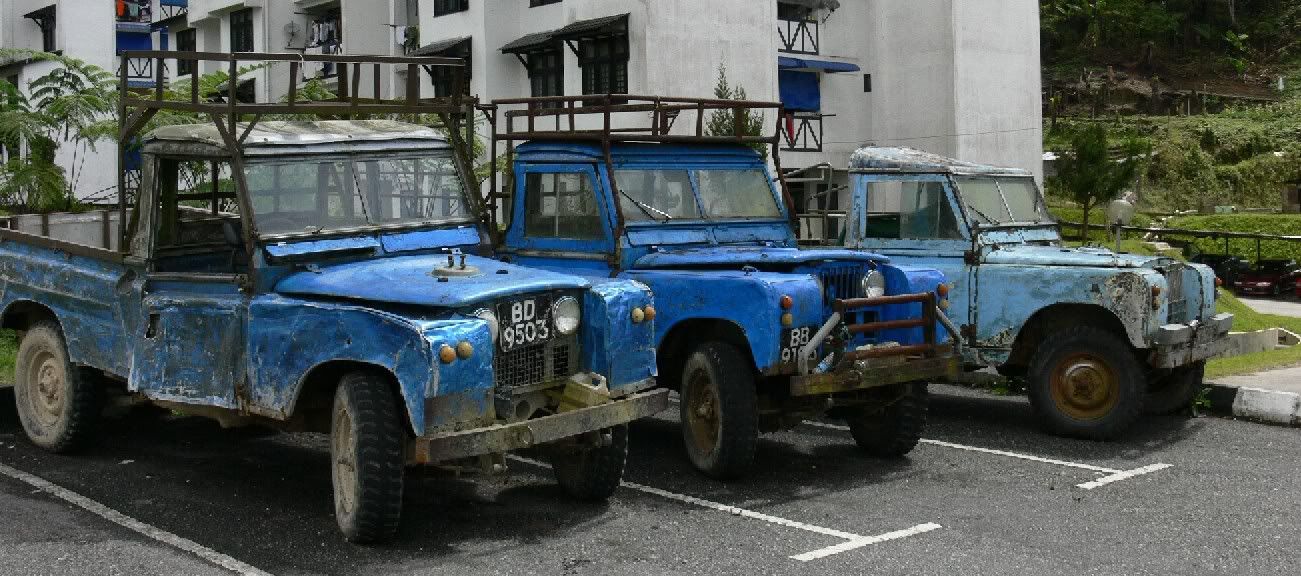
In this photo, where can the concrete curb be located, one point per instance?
(1268, 406)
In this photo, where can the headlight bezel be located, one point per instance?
(561, 323)
(873, 284)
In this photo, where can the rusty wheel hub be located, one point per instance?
(702, 413)
(344, 456)
(1084, 386)
(46, 386)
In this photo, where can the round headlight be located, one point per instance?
(487, 316)
(874, 284)
(566, 314)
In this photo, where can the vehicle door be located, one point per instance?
(189, 343)
(913, 219)
(561, 219)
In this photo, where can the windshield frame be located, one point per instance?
(692, 170)
(354, 158)
(980, 221)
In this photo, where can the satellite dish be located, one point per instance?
(1120, 212)
(292, 30)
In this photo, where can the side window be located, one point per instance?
(909, 209)
(561, 205)
(198, 227)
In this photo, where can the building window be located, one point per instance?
(412, 12)
(444, 77)
(445, 7)
(134, 11)
(547, 72)
(605, 64)
(186, 41)
(45, 19)
(536, 3)
(241, 30)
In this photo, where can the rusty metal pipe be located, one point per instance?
(886, 325)
(914, 350)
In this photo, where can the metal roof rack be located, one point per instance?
(235, 120)
(620, 118)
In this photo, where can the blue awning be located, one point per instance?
(788, 63)
(799, 91)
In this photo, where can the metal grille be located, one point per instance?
(841, 282)
(1174, 278)
(535, 364)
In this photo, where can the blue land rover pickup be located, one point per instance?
(1100, 336)
(325, 276)
(754, 333)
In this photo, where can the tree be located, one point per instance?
(723, 122)
(1087, 174)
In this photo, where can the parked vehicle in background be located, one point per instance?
(1227, 267)
(1298, 287)
(1099, 336)
(754, 333)
(325, 276)
(1269, 277)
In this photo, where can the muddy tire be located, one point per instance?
(720, 411)
(1176, 391)
(58, 403)
(894, 430)
(1086, 383)
(594, 474)
(367, 439)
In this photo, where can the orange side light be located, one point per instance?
(943, 290)
(787, 302)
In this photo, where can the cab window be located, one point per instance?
(561, 205)
(910, 209)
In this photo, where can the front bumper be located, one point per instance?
(1182, 344)
(529, 433)
(941, 367)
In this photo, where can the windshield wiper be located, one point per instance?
(645, 208)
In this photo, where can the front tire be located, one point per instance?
(58, 403)
(366, 456)
(1176, 391)
(895, 430)
(1086, 383)
(594, 474)
(720, 410)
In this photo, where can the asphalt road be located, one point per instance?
(1286, 305)
(1227, 504)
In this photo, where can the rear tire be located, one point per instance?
(1176, 391)
(720, 410)
(895, 430)
(1086, 383)
(594, 474)
(58, 403)
(367, 440)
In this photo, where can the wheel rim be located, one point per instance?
(46, 389)
(345, 462)
(1085, 387)
(702, 413)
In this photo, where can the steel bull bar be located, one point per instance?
(529, 433)
(930, 360)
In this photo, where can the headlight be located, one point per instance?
(874, 284)
(566, 314)
(487, 316)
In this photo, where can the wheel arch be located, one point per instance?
(677, 344)
(311, 406)
(1041, 323)
(22, 314)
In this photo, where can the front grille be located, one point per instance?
(536, 364)
(841, 282)
(1174, 277)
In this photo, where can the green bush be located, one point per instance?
(1277, 224)
(1096, 216)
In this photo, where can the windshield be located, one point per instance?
(318, 195)
(1002, 200)
(664, 195)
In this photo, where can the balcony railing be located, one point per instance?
(140, 72)
(798, 36)
(168, 9)
(803, 132)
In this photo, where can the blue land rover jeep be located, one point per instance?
(753, 332)
(325, 276)
(1098, 335)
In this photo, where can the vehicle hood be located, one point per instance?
(757, 256)
(1059, 256)
(424, 280)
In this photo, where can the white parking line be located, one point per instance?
(1112, 474)
(130, 523)
(852, 541)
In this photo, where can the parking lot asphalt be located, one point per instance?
(1286, 305)
(986, 493)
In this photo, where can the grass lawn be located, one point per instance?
(1246, 320)
(8, 348)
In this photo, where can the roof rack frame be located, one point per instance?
(135, 110)
(663, 111)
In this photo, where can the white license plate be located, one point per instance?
(524, 323)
